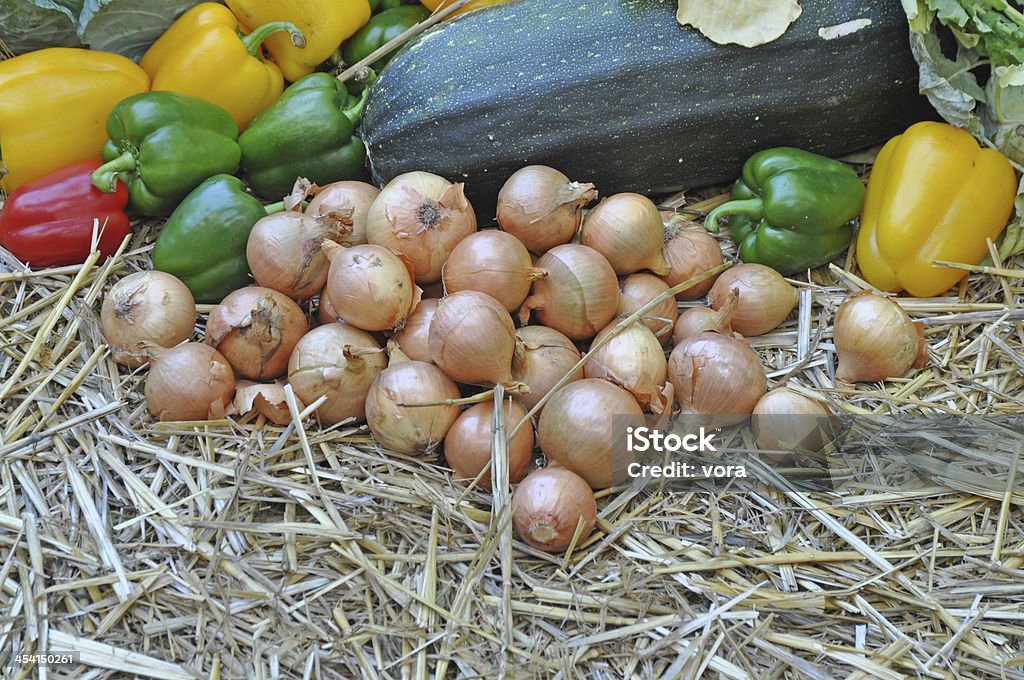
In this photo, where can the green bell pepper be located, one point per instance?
(203, 242)
(162, 145)
(791, 209)
(308, 132)
(384, 5)
(382, 28)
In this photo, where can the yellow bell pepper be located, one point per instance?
(325, 23)
(203, 55)
(54, 105)
(933, 194)
(435, 5)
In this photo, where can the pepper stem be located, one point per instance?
(253, 41)
(356, 110)
(105, 177)
(275, 207)
(751, 207)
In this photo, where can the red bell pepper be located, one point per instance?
(50, 221)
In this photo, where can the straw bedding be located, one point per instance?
(235, 548)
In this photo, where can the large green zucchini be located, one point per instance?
(617, 93)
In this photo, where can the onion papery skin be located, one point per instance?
(548, 506)
(467, 446)
(414, 338)
(690, 251)
(146, 308)
(491, 262)
(635, 291)
(541, 207)
(472, 339)
(344, 196)
(191, 381)
(627, 229)
(423, 216)
(633, 358)
(579, 294)
(765, 298)
(284, 252)
(582, 428)
(542, 357)
(717, 376)
(876, 339)
(411, 430)
(338, 361)
(267, 399)
(256, 330)
(371, 287)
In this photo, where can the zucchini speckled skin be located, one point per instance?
(617, 93)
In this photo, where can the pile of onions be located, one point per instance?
(542, 357)
(267, 399)
(876, 339)
(340, 362)
(284, 251)
(636, 290)
(699, 319)
(784, 420)
(582, 428)
(256, 330)
(579, 295)
(541, 207)
(394, 418)
(633, 358)
(718, 376)
(472, 339)
(467, 446)
(347, 197)
(627, 229)
(414, 338)
(550, 505)
(491, 262)
(690, 250)
(191, 381)
(422, 216)
(370, 287)
(146, 308)
(765, 298)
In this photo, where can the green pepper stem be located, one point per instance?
(253, 41)
(274, 207)
(105, 177)
(751, 207)
(356, 110)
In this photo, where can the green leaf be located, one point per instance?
(949, 85)
(742, 22)
(34, 24)
(127, 27)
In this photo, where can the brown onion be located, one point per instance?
(578, 429)
(191, 381)
(414, 338)
(472, 339)
(396, 422)
(148, 307)
(256, 329)
(467, 446)
(284, 251)
(633, 358)
(875, 339)
(542, 357)
(541, 207)
(716, 375)
(340, 362)
(765, 298)
(267, 399)
(370, 287)
(636, 290)
(342, 197)
(550, 505)
(626, 228)
(699, 319)
(491, 262)
(783, 420)
(579, 295)
(422, 216)
(690, 250)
